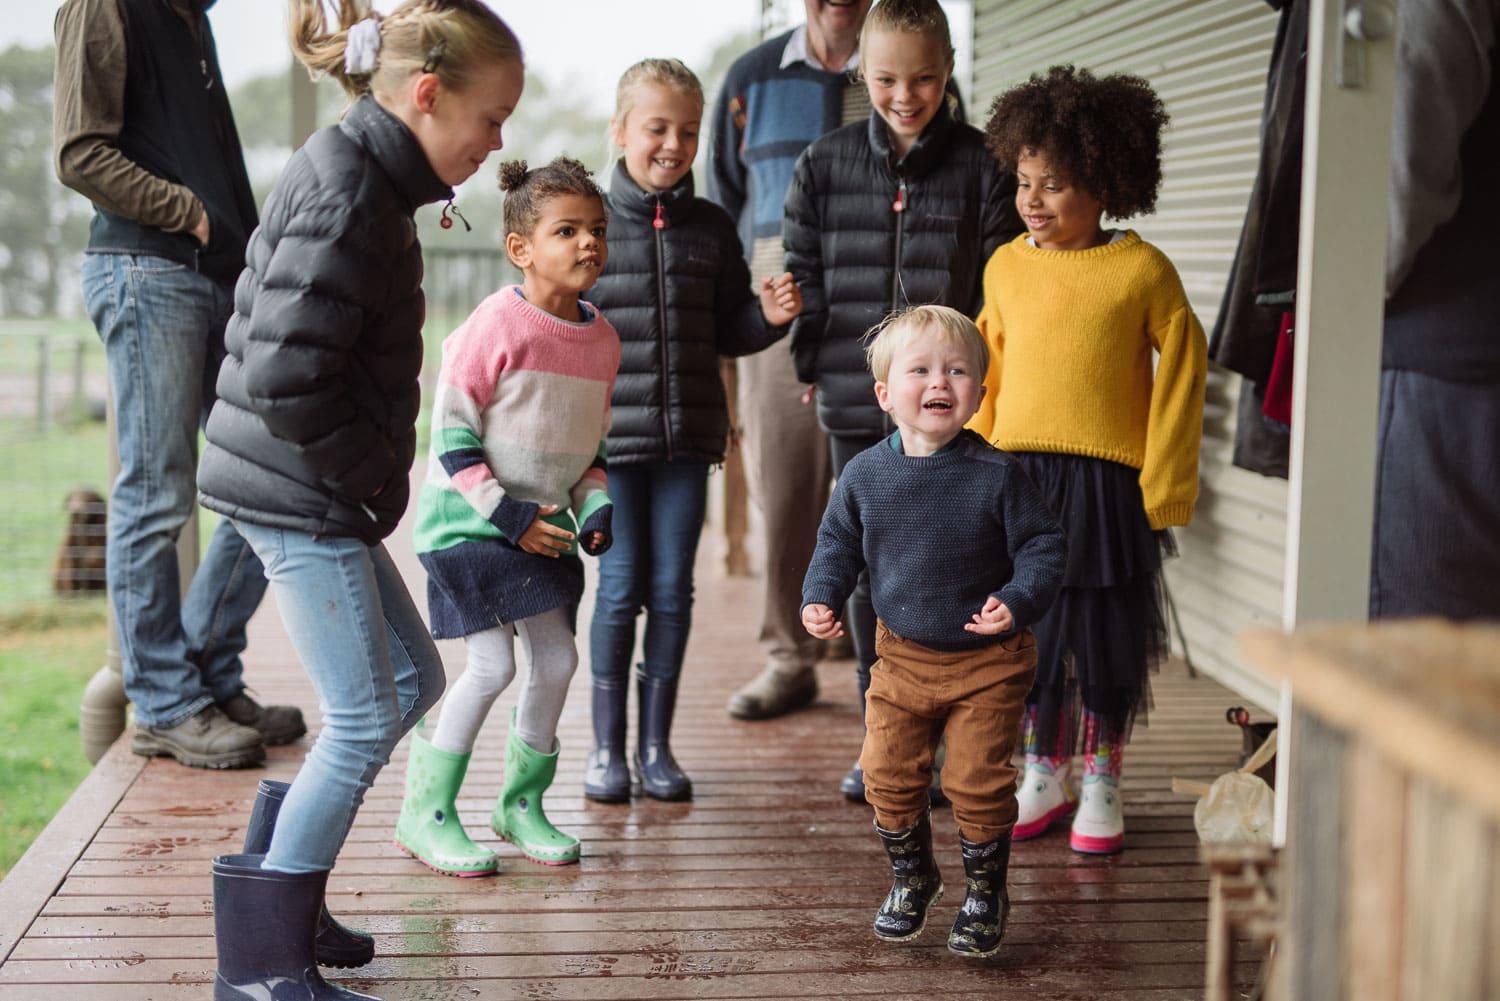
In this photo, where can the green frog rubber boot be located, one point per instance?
(429, 829)
(519, 817)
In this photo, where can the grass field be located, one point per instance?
(47, 655)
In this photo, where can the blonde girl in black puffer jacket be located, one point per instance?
(677, 289)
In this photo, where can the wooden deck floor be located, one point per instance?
(762, 887)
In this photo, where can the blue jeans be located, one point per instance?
(657, 520)
(162, 325)
(373, 664)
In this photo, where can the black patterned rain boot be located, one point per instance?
(336, 945)
(916, 884)
(981, 920)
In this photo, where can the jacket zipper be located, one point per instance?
(898, 207)
(660, 224)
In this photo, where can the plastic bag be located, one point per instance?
(1238, 806)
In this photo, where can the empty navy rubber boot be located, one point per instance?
(660, 776)
(915, 882)
(334, 944)
(853, 784)
(606, 778)
(981, 920)
(264, 923)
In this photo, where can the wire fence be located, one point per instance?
(54, 457)
(54, 449)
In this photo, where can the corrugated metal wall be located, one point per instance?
(1208, 60)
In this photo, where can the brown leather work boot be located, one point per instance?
(207, 739)
(774, 692)
(277, 724)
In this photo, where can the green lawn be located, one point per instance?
(47, 655)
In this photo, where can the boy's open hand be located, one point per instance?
(780, 299)
(544, 539)
(821, 622)
(991, 620)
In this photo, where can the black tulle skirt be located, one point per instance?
(1107, 632)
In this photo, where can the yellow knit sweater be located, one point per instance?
(1071, 333)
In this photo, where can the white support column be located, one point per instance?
(1340, 307)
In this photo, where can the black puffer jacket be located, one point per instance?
(314, 426)
(680, 297)
(857, 256)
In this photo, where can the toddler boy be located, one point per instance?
(963, 556)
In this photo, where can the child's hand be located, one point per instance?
(992, 620)
(780, 299)
(544, 539)
(595, 543)
(821, 622)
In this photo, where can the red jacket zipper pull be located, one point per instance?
(899, 205)
(659, 222)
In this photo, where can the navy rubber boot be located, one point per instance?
(335, 945)
(264, 923)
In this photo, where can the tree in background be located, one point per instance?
(43, 226)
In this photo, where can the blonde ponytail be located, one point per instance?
(454, 39)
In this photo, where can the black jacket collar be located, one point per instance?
(631, 200)
(391, 144)
(925, 153)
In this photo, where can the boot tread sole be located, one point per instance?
(457, 873)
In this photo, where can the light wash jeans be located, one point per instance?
(162, 325)
(656, 524)
(373, 664)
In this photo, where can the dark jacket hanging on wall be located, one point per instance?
(1263, 276)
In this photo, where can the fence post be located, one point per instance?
(42, 350)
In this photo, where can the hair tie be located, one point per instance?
(362, 50)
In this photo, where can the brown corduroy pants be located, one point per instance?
(917, 695)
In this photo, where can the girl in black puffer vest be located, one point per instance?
(902, 210)
(676, 289)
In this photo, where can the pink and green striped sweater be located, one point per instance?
(520, 419)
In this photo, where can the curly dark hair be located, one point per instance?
(526, 191)
(1102, 133)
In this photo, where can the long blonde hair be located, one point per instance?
(453, 38)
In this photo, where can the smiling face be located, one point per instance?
(562, 256)
(1059, 214)
(905, 73)
(659, 135)
(933, 387)
(459, 129)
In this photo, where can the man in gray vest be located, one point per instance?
(142, 128)
(1437, 488)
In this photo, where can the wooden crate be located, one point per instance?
(1391, 874)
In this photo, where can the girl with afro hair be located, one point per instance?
(1074, 313)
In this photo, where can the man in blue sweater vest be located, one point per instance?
(776, 99)
(956, 652)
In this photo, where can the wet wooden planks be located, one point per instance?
(763, 887)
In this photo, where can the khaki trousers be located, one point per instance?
(917, 695)
(788, 470)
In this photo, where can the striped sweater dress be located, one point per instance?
(520, 420)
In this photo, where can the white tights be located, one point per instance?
(489, 670)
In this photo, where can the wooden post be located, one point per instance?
(736, 493)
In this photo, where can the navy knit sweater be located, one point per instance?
(940, 534)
